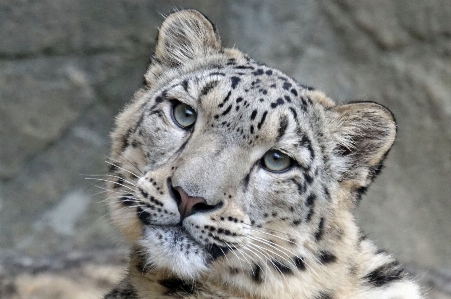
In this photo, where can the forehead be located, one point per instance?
(248, 93)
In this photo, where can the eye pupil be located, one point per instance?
(184, 116)
(276, 161)
(277, 156)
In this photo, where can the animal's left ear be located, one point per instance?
(186, 35)
(364, 133)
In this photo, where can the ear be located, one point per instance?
(364, 133)
(186, 35)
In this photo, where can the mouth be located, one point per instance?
(174, 247)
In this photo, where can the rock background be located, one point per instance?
(67, 67)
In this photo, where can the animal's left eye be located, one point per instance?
(276, 161)
(184, 116)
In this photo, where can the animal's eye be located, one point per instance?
(276, 161)
(184, 116)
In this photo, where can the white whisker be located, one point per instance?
(108, 181)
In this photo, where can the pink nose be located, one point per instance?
(189, 205)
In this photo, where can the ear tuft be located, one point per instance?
(186, 35)
(364, 133)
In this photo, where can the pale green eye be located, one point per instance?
(184, 116)
(276, 161)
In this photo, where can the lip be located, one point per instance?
(178, 231)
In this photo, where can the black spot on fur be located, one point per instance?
(286, 86)
(277, 103)
(308, 178)
(124, 139)
(324, 296)
(143, 216)
(185, 85)
(385, 274)
(227, 110)
(225, 100)
(282, 126)
(262, 120)
(296, 222)
(239, 100)
(235, 81)
(279, 266)
(246, 181)
(231, 61)
(143, 193)
(126, 291)
(209, 86)
(326, 257)
(306, 142)
(299, 262)
(127, 200)
(244, 67)
(326, 192)
(311, 199)
(307, 87)
(294, 92)
(112, 168)
(216, 251)
(301, 187)
(254, 114)
(319, 233)
(234, 271)
(177, 285)
(256, 274)
(258, 72)
(295, 115)
(218, 73)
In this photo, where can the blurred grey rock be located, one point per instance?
(40, 99)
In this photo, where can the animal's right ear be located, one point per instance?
(186, 35)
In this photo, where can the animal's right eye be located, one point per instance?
(183, 115)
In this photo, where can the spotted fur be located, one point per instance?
(255, 233)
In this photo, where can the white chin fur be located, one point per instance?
(170, 248)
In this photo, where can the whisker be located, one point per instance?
(231, 249)
(260, 230)
(119, 154)
(106, 190)
(267, 243)
(109, 175)
(126, 170)
(119, 184)
(256, 247)
(283, 259)
(242, 253)
(223, 253)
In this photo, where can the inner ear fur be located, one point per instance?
(186, 35)
(364, 133)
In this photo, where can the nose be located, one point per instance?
(188, 205)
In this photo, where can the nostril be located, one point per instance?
(202, 208)
(174, 193)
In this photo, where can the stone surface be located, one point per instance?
(67, 67)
